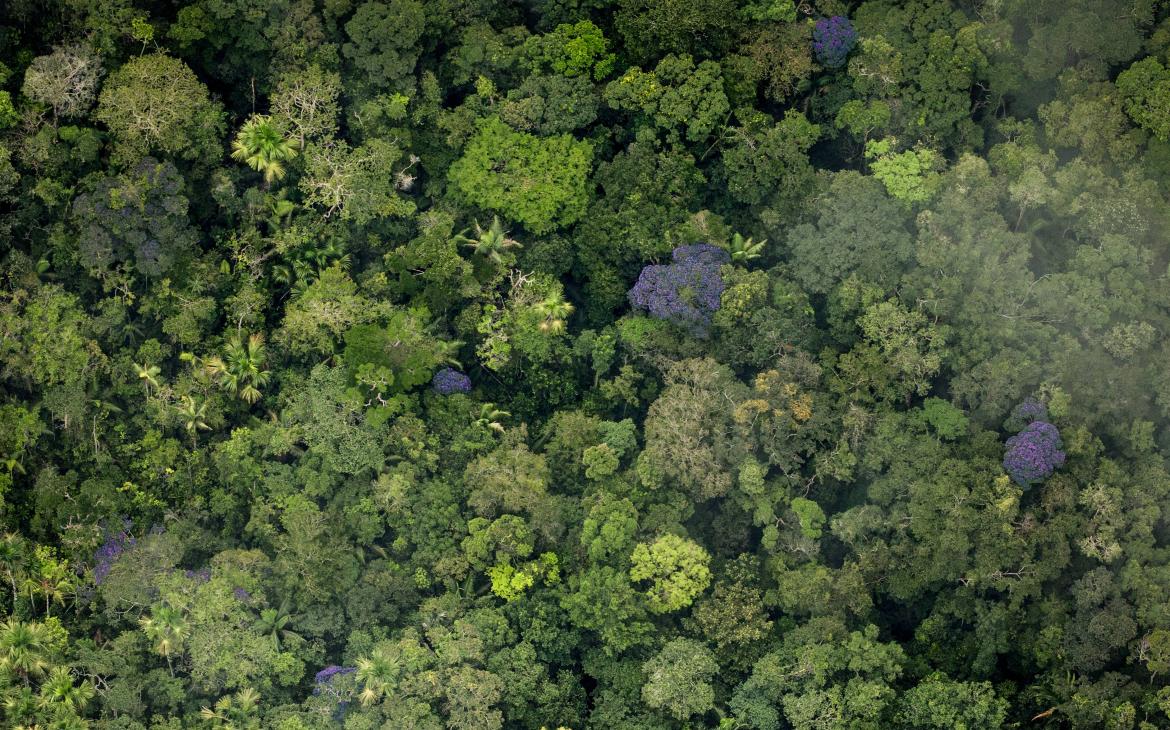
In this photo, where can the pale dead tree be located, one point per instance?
(66, 80)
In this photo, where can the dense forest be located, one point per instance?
(584, 364)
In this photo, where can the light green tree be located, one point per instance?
(676, 568)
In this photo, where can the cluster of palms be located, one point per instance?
(26, 655)
(240, 371)
(35, 576)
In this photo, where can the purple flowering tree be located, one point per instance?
(336, 683)
(117, 541)
(1033, 454)
(833, 39)
(449, 381)
(686, 291)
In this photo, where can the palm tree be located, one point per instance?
(261, 145)
(240, 370)
(21, 702)
(273, 622)
(489, 417)
(745, 249)
(554, 310)
(168, 629)
(50, 578)
(491, 244)
(193, 413)
(237, 712)
(59, 691)
(148, 374)
(12, 558)
(379, 674)
(24, 648)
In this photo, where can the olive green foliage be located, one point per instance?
(156, 104)
(676, 94)
(324, 404)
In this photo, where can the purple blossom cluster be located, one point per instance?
(326, 683)
(449, 381)
(1033, 454)
(833, 39)
(1026, 412)
(117, 541)
(199, 576)
(241, 595)
(326, 675)
(686, 291)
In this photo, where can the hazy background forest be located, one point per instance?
(588, 364)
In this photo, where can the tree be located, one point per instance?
(237, 712)
(193, 414)
(537, 181)
(676, 568)
(155, 104)
(240, 371)
(767, 162)
(553, 310)
(359, 184)
(1033, 454)
(59, 693)
(859, 231)
(137, 217)
(910, 176)
(688, 439)
(1145, 93)
(833, 39)
(675, 94)
(261, 145)
(685, 292)
(653, 29)
(602, 600)
(550, 105)
(65, 80)
(940, 702)
(578, 49)
(383, 42)
(822, 677)
(273, 622)
(306, 101)
(678, 679)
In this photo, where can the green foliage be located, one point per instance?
(679, 679)
(383, 42)
(578, 49)
(340, 416)
(859, 232)
(1145, 93)
(155, 104)
(261, 146)
(676, 568)
(674, 26)
(675, 94)
(767, 163)
(909, 176)
(359, 184)
(539, 182)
